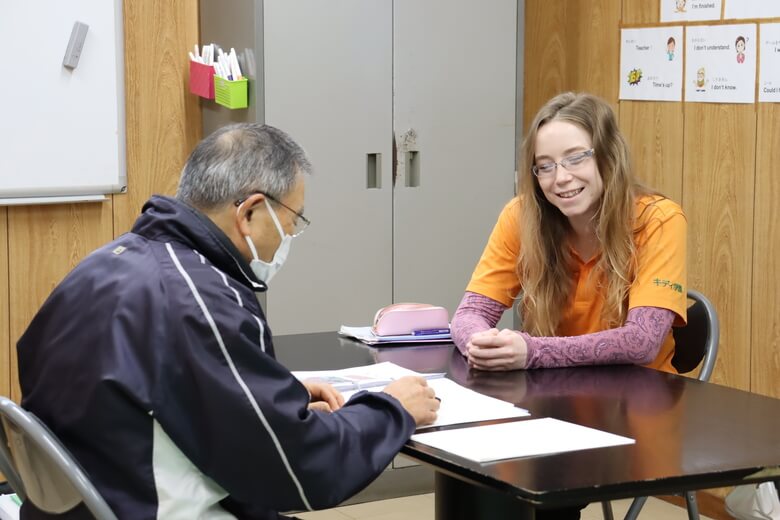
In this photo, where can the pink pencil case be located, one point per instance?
(405, 318)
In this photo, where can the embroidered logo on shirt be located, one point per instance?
(119, 250)
(671, 285)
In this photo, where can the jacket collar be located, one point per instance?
(165, 219)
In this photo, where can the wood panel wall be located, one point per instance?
(659, 152)
(715, 159)
(718, 179)
(5, 337)
(765, 337)
(164, 125)
(44, 243)
(40, 244)
(570, 45)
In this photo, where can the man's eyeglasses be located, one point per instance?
(571, 163)
(300, 224)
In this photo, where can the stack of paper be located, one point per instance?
(458, 403)
(519, 439)
(366, 335)
(369, 377)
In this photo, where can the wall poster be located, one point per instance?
(769, 71)
(651, 63)
(720, 63)
(752, 9)
(682, 10)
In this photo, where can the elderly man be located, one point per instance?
(154, 364)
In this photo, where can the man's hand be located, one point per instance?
(417, 397)
(494, 350)
(324, 397)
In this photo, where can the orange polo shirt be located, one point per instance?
(661, 275)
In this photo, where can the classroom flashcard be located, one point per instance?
(769, 71)
(752, 9)
(720, 63)
(681, 10)
(651, 64)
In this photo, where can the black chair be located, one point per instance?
(40, 469)
(696, 343)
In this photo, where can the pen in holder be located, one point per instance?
(201, 82)
(231, 94)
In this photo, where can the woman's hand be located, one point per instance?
(324, 397)
(497, 350)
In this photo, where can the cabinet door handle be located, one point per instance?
(374, 171)
(412, 169)
(410, 159)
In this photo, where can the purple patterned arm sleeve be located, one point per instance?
(637, 342)
(475, 314)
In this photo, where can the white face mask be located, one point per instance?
(266, 270)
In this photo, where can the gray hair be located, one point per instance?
(238, 160)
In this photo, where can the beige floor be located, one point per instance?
(420, 507)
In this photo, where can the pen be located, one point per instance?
(235, 69)
(426, 332)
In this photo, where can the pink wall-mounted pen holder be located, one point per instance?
(202, 79)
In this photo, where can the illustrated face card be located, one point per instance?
(720, 63)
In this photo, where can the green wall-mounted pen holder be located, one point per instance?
(231, 94)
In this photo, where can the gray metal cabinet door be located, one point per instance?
(454, 85)
(328, 82)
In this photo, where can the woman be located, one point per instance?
(740, 45)
(596, 260)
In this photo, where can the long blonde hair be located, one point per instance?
(545, 264)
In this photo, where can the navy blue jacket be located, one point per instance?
(153, 363)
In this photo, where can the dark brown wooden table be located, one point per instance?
(689, 435)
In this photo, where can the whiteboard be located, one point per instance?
(62, 131)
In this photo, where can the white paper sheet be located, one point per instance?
(752, 9)
(720, 63)
(651, 64)
(519, 439)
(769, 74)
(458, 404)
(679, 10)
(367, 377)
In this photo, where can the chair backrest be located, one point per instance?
(42, 469)
(697, 342)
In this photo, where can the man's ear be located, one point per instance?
(246, 211)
